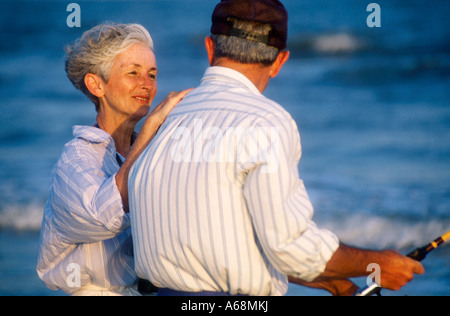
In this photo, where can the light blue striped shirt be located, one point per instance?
(85, 236)
(216, 200)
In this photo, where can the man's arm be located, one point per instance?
(347, 262)
(337, 287)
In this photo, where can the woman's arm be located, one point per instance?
(145, 136)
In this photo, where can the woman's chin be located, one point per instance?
(142, 112)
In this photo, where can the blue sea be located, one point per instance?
(372, 106)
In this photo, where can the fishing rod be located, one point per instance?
(418, 254)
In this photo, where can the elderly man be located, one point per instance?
(217, 204)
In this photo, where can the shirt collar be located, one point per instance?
(91, 134)
(224, 73)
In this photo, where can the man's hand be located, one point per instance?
(396, 270)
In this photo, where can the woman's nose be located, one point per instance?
(148, 83)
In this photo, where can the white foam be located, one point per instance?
(386, 233)
(22, 217)
(336, 43)
(369, 231)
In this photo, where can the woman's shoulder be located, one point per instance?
(89, 145)
(91, 134)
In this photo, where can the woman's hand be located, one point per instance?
(159, 113)
(151, 125)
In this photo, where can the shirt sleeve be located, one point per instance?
(86, 203)
(280, 207)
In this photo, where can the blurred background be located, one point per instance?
(372, 106)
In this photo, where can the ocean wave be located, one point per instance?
(327, 44)
(386, 233)
(361, 230)
(20, 217)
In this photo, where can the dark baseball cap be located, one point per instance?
(270, 12)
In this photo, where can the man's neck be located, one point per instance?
(258, 74)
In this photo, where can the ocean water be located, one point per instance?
(372, 106)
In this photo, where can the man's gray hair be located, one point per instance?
(95, 51)
(243, 50)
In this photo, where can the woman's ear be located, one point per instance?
(95, 85)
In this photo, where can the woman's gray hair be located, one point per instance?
(95, 51)
(244, 50)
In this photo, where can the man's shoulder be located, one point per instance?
(231, 99)
(273, 111)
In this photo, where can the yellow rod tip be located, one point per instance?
(446, 236)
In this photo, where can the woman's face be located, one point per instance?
(132, 83)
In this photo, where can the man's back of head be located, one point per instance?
(269, 12)
(249, 36)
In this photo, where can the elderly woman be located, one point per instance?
(85, 244)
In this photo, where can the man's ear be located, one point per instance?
(210, 49)
(95, 85)
(282, 58)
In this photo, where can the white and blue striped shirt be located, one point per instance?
(85, 235)
(216, 201)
